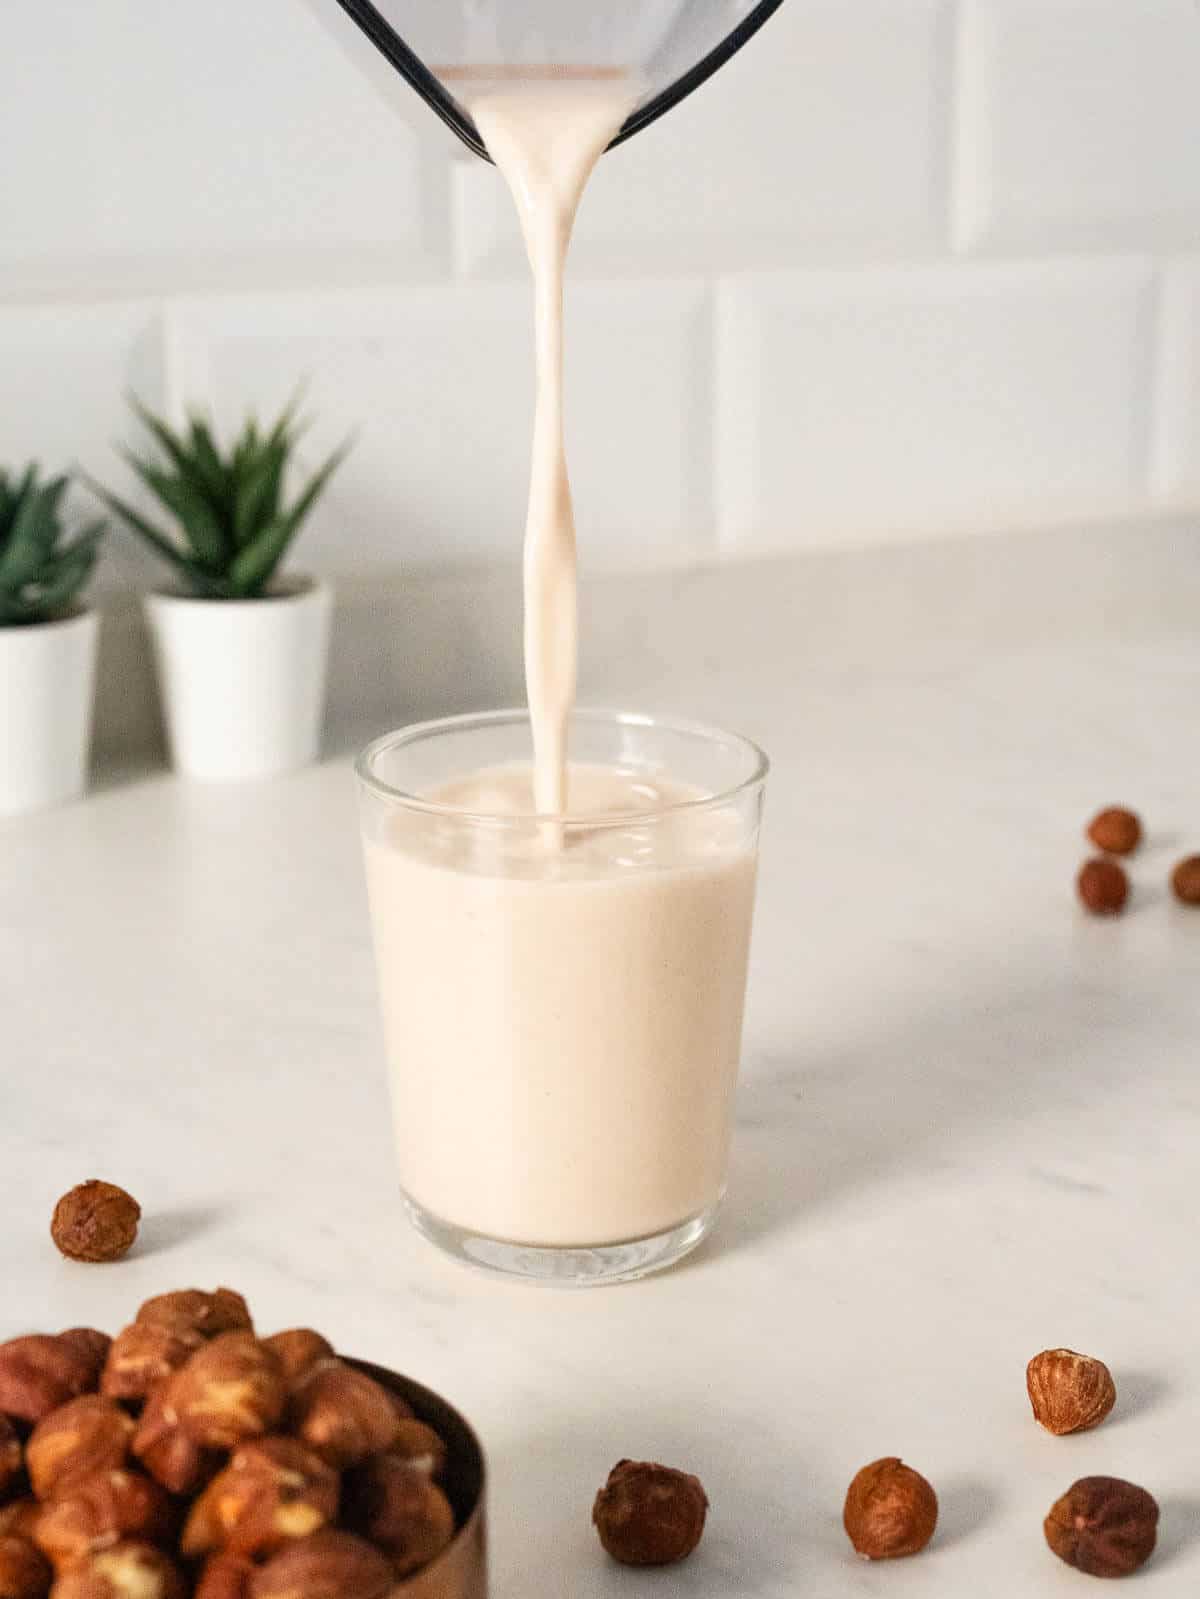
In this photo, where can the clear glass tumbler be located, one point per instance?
(562, 996)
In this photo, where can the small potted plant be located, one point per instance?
(47, 645)
(241, 651)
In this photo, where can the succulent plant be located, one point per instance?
(232, 527)
(41, 570)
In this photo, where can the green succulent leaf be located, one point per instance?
(196, 578)
(200, 524)
(255, 565)
(40, 571)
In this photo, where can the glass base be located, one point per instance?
(563, 1267)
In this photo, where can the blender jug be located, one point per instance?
(668, 47)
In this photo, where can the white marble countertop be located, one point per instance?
(969, 1126)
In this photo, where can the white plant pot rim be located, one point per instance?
(290, 591)
(72, 619)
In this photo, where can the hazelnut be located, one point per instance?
(145, 1354)
(83, 1437)
(24, 1573)
(299, 1350)
(890, 1510)
(273, 1490)
(1103, 887)
(1116, 831)
(329, 1565)
(1185, 881)
(11, 1459)
(20, 1519)
(419, 1448)
(101, 1511)
(126, 1571)
(90, 1345)
(1069, 1392)
(231, 1389)
(1103, 1526)
(208, 1314)
(649, 1515)
(39, 1373)
(95, 1221)
(402, 1511)
(168, 1453)
(225, 1577)
(342, 1414)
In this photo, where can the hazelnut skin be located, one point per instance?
(1069, 1392)
(230, 1390)
(24, 1573)
(342, 1414)
(90, 1345)
(419, 1448)
(272, 1491)
(167, 1452)
(95, 1222)
(649, 1515)
(145, 1354)
(402, 1511)
(20, 1519)
(1103, 1526)
(1103, 887)
(208, 1314)
(299, 1349)
(11, 1458)
(225, 1577)
(39, 1373)
(128, 1570)
(890, 1510)
(1116, 831)
(329, 1565)
(100, 1511)
(1185, 881)
(76, 1441)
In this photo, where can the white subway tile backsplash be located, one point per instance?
(185, 136)
(438, 384)
(827, 133)
(1079, 123)
(877, 404)
(1177, 452)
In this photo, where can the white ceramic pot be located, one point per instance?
(47, 683)
(243, 681)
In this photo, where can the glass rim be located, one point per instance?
(418, 731)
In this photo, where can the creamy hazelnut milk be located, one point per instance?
(562, 947)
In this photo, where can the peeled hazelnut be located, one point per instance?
(95, 1222)
(1103, 887)
(402, 1511)
(225, 1577)
(126, 1571)
(299, 1350)
(419, 1448)
(329, 1565)
(39, 1373)
(90, 1345)
(24, 1573)
(1069, 1392)
(649, 1515)
(145, 1354)
(272, 1491)
(221, 1311)
(10, 1456)
(342, 1414)
(231, 1389)
(101, 1511)
(168, 1453)
(1116, 831)
(1103, 1526)
(1185, 881)
(83, 1437)
(890, 1510)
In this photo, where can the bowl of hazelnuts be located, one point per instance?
(187, 1458)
